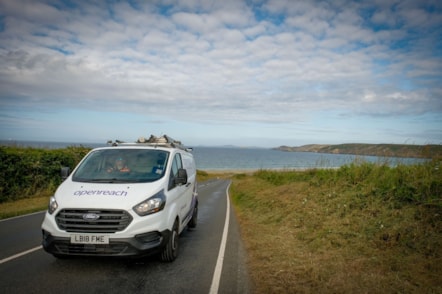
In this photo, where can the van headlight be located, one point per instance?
(53, 205)
(151, 205)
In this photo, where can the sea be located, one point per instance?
(249, 158)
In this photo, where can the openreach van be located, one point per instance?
(128, 199)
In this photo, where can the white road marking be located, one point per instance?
(219, 263)
(20, 254)
(21, 216)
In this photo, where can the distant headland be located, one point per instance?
(388, 150)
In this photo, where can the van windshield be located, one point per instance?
(122, 166)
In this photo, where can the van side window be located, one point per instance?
(176, 165)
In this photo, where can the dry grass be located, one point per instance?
(23, 206)
(309, 237)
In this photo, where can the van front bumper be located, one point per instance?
(140, 245)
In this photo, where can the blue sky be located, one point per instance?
(247, 73)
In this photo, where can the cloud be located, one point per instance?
(252, 61)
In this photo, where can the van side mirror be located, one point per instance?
(181, 178)
(65, 171)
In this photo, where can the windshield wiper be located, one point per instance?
(112, 180)
(106, 180)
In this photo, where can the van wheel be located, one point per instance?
(170, 252)
(194, 219)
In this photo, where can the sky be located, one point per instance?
(212, 73)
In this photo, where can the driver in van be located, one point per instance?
(119, 166)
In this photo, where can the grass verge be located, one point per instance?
(358, 229)
(23, 206)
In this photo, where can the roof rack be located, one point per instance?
(163, 141)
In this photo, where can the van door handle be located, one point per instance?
(188, 184)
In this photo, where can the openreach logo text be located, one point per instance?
(100, 193)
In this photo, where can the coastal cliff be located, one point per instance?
(389, 150)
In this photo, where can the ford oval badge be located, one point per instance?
(91, 216)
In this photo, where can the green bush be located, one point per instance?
(25, 172)
(419, 183)
(281, 177)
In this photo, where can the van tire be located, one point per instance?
(170, 252)
(193, 221)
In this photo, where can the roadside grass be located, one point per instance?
(362, 228)
(23, 206)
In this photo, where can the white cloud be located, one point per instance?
(223, 60)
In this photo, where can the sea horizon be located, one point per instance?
(235, 158)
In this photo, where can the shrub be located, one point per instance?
(418, 183)
(25, 172)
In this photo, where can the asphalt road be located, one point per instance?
(26, 268)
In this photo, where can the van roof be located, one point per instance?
(153, 141)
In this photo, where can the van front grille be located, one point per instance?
(93, 221)
(93, 249)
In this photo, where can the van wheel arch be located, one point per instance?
(170, 251)
(193, 221)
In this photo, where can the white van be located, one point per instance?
(128, 199)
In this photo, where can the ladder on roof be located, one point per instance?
(163, 140)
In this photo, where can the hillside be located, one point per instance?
(391, 150)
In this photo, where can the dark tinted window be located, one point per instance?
(176, 165)
(122, 165)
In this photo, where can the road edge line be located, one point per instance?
(219, 263)
(20, 254)
(21, 216)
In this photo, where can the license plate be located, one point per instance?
(89, 239)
